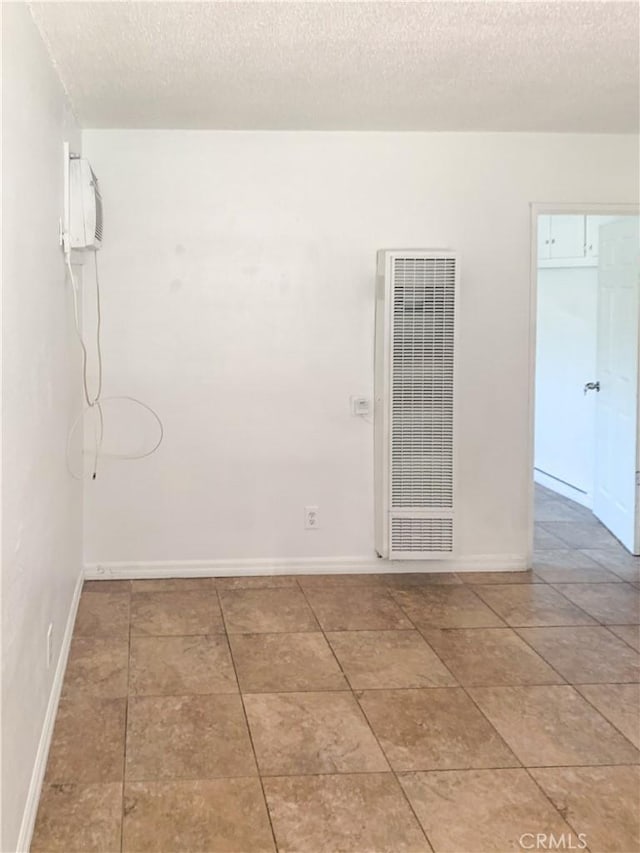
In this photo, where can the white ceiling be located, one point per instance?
(526, 66)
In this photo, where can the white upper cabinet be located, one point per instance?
(592, 233)
(569, 240)
(544, 237)
(567, 236)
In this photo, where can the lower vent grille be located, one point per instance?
(421, 535)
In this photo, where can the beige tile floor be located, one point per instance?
(357, 713)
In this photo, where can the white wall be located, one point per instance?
(566, 338)
(41, 505)
(238, 277)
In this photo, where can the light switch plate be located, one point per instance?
(360, 406)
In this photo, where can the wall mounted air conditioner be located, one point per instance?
(415, 354)
(85, 206)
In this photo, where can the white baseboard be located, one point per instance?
(40, 764)
(301, 566)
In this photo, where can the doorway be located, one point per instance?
(585, 362)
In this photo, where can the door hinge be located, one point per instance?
(637, 478)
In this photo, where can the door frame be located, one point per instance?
(537, 209)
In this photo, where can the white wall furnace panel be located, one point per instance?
(414, 446)
(41, 504)
(238, 274)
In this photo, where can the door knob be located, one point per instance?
(591, 386)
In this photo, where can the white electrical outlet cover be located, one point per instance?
(311, 518)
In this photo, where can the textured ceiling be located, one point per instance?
(528, 66)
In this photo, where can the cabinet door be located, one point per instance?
(544, 237)
(593, 233)
(567, 236)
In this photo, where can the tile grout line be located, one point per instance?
(462, 769)
(258, 771)
(538, 625)
(622, 640)
(608, 721)
(240, 695)
(373, 733)
(615, 547)
(350, 688)
(548, 798)
(449, 770)
(599, 712)
(331, 649)
(249, 732)
(572, 627)
(126, 731)
(567, 683)
(470, 697)
(592, 522)
(621, 578)
(314, 630)
(595, 618)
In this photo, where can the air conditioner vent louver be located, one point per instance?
(85, 206)
(415, 353)
(98, 231)
(421, 535)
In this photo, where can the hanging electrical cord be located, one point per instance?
(94, 403)
(126, 456)
(91, 401)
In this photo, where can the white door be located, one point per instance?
(565, 359)
(617, 463)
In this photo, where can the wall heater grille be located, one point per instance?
(415, 361)
(422, 383)
(421, 535)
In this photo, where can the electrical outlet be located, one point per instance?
(49, 645)
(311, 518)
